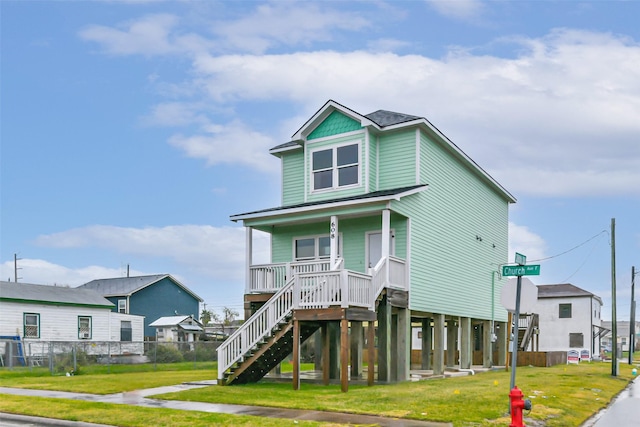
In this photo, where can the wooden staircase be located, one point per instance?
(268, 353)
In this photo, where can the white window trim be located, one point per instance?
(316, 251)
(24, 325)
(122, 302)
(85, 336)
(335, 168)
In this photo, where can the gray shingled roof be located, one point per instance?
(59, 295)
(372, 195)
(562, 290)
(389, 118)
(122, 286)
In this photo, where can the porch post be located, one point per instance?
(452, 344)
(384, 341)
(386, 250)
(248, 257)
(404, 344)
(333, 245)
(326, 344)
(371, 351)
(503, 329)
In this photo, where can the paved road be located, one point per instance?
(624, 411)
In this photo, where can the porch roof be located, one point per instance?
(375, 196)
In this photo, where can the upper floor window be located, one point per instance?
(335, 167)
(122, 306)
(84, 327)
(565, 311)
(31, 325)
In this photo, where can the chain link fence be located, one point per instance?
(72, 357)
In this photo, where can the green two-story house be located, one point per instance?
(384, 223)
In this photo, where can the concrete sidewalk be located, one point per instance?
(140, 398)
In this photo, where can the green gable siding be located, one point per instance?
(451, 271)
(397, 164)
(335, 124)
(293, 178)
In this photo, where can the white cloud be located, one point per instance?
(233, 143)
(216, 252)
(43, 272)
(524, 241)
(286, 23)
(457, 9)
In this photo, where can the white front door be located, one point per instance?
(374, 247)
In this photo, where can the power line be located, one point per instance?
(572, 249)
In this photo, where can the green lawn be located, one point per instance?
(563, 395)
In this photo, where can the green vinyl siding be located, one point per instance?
(293, 178)
(352, 233)
(451, 270)
(335, 124)
(397, 164)
(373, 163)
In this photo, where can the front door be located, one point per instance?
(374, 247)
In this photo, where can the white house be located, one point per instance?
(38, 313)
(177, 329)
(569, 318)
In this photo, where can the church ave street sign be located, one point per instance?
(521, 270)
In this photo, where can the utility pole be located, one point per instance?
(632, 317)
(614, 326)
(16, 268)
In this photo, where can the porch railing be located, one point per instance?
(272, 277)
(308, 287)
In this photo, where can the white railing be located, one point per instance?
(272, 277)
(254, 329)
(310, 286)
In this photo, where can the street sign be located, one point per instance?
(521, 270)
(528, 295)
(520, 259)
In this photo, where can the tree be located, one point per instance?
(228, 316)
(205, 317)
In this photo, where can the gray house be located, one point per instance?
(151, 296)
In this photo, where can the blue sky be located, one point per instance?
(132, 130)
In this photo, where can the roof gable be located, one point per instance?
(126, 286)
(53, 295)
(336, 123)
(563, 290)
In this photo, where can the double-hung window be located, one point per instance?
(335, 167)
(122, 306)
(317, 247)
(84, 327)
(31, 325)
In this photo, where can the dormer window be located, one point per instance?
(335, 167)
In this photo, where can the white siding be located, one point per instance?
(137, 326)
(554, 331)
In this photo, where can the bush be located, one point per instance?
(166, 353)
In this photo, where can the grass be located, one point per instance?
(563, 395)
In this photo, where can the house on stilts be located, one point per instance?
(385, 226)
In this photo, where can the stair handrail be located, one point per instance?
(255, 328)
(528, 334)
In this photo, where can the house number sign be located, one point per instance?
(333, 230)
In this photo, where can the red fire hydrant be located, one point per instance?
(516, 406)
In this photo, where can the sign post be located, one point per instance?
(518, 270)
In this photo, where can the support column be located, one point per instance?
(452, 342)
(465, 343)
(404, 344)
(371, 351)
(296, 354)
(438, 344)
(384, 341)
(502, 343)
(426, 343)
(326, 344)
(317, 348)
(393, 354)
(344, 355)
(334, 350)
(487, 357)
(357, 340)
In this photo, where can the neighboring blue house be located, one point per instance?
(151, 296)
